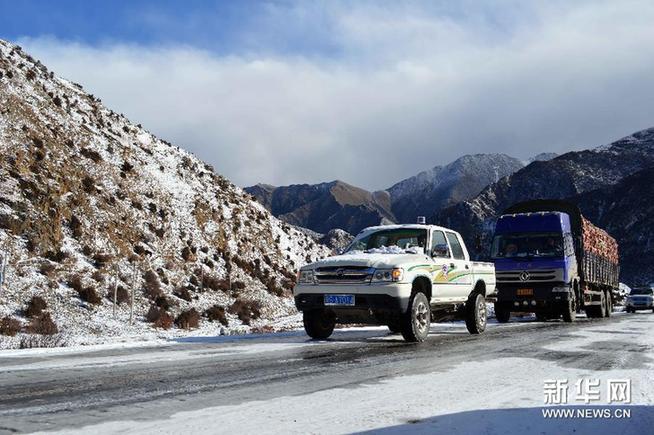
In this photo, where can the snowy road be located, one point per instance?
(363, 379)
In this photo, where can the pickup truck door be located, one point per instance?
(459, 273)
(441, 256)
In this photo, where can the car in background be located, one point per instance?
(640, 299)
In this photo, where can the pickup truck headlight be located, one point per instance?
(384, 275)
(305, 277)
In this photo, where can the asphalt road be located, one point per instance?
(66, 390)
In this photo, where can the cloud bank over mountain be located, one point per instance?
(376, 92)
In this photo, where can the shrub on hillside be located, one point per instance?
(122, 295)
(9, 326)
(214, 283)
(182, 293)
(75, 282)
(89, 295)
(217, 313)
(159, 317)
(246, 310)
(35, 306)
(188, 319)
(42, 324)
(47, 268)
(152, 284)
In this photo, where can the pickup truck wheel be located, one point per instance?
(417, 320)
(570, 310)
(319, 324)
(541, 316)
(476, 316)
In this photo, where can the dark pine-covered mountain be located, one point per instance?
(599, 173)
(325, 206)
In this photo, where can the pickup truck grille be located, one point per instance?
(533, 275)
(344, 275)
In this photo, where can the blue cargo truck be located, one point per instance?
(551, 261)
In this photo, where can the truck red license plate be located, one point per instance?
(525, 292)
(347, 300)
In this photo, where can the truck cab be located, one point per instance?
(402, 276)
(535, 263)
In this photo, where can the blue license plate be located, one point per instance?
(347, 300)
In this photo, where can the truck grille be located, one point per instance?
(344, 275)
(533, 275)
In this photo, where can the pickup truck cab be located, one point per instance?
(402, 276)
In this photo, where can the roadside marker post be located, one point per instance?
(115, 288)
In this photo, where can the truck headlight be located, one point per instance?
(382, 275)
(305, 277)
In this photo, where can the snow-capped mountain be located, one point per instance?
(88, 197)
(441, 186)
(325, 206)
(566, 176)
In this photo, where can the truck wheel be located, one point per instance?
(541, 317)
(476, 316)
(502, 314)
(417, 320)
(570, 310)
(602, 308)
(319, 324)
(609, 304)
(395, 326)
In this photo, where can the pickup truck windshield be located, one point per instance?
(400, 239)
(527, 245)
(642, 291)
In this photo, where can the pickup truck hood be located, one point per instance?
(378, 261)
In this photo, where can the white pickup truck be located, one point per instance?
(402, 276)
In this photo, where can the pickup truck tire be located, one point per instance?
(476, 315)
(319, 324)
(569, 311)
(502, 314)
(542, 317)
(417, 320)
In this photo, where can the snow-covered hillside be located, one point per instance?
(87, 198)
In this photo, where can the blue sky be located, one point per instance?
(274, 91)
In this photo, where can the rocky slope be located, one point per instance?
(87, 198)
(626, 210)
(325, 206)
(567, 176)
(429, 191)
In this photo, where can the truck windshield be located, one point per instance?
(390, 241)
(642, 291)
(527, 245)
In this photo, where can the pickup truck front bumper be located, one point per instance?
(375, 304)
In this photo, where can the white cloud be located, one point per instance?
(407, 90)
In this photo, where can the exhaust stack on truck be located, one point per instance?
(550, 260)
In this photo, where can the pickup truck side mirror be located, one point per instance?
(440, 251)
